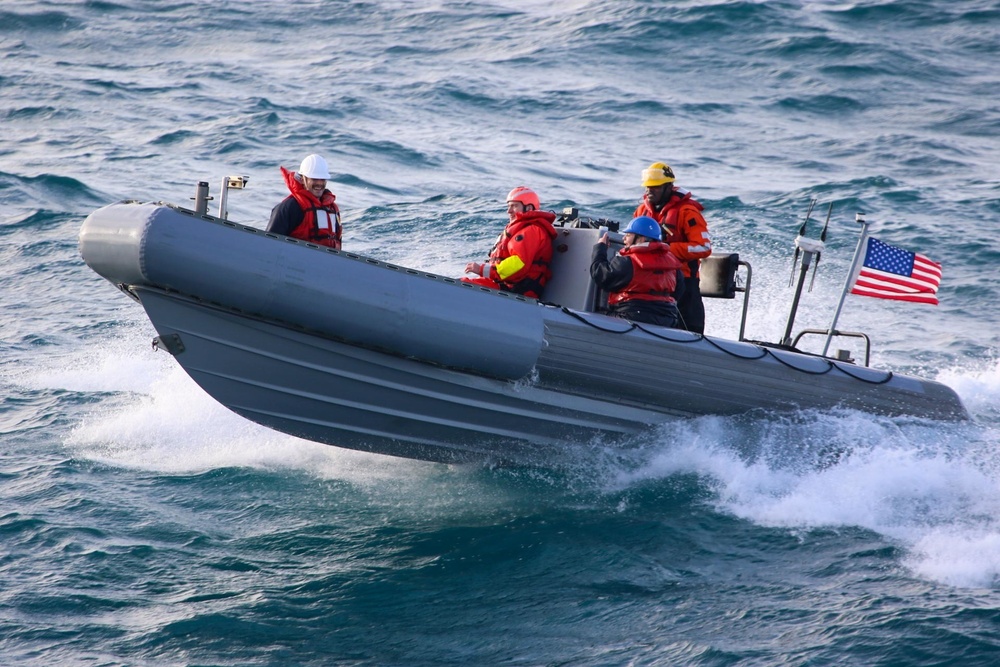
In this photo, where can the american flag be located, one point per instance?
(893, 273)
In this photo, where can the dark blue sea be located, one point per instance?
(143, 524)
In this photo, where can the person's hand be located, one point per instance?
(474, 267)
(606, 240)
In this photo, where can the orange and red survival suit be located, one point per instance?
(685, 232)
(519, 262)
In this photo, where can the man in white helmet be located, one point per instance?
(310, 212)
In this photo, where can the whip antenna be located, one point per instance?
(802, 232)
(822, 239)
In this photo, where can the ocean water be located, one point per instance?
(143, 524)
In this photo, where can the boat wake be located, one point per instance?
(930, 488)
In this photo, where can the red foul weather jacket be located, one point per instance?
(521, 257)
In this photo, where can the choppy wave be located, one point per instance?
(146, 524)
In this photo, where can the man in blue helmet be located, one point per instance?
(641, 278)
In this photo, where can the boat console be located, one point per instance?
(571, 287)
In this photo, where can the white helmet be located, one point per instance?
(314, 166)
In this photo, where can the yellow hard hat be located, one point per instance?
(657, 173)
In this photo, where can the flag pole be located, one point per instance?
(858, 254)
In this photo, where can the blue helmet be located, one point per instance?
(644, 226)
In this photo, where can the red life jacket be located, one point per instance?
(654, 274)
(320, 217)
(537, 255)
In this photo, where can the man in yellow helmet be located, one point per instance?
(684, 230)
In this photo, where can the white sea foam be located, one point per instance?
(979, 389)
(165, 422)
(933, 489)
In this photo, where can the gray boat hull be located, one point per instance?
(352, 352)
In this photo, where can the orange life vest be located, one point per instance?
(320, 217)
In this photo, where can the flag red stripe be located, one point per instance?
(922, 297)
(893, 279)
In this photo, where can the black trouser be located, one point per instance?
(659, 313)
(690, 305)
